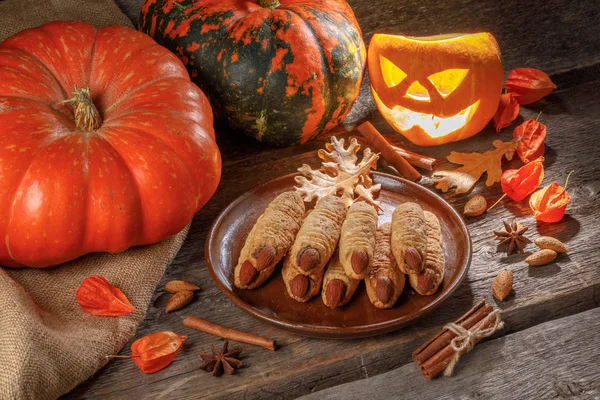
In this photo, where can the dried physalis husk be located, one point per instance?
(508, 111)
(157, 350)
(528, 85)
(502, 285)
(96, 296)
(547, 242)
(475, 206)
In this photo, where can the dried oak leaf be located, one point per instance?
(366, 194)
(341, 174)
(474, 165)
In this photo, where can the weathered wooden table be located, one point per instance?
(550, 347)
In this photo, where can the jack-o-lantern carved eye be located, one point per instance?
(447, 81)
(418, 92)
(392, 74)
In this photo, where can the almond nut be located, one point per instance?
(179, 286)
(265, 257)
(547, 242)
(542, 257)
(425, 281)
(299, 285)
(247, 273)
(308, 258)
(502, 285)
(335, 292)
(179, 300)
(475, 206)
(384, 289)
(413, 259)
(359, 261)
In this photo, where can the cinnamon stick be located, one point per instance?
(227, 333)
(376, 140)
(416, 159)
(445, 336)
(439, 362)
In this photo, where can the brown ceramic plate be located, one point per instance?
(359, 318)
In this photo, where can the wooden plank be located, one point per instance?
(552, 35)
(303, 365)
(557, 359)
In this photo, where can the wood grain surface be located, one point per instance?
(558, 37)
(553, 360)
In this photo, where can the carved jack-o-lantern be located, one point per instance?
(436, 89)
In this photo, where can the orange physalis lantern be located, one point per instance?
(157, 350)
(549, 203)
(529, 85)
(96, 296)
(520, 183)
(508, 111)
(436, 89)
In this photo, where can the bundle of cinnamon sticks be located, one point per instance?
(401, 159)
(436, 354)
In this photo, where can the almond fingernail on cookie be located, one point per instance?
(384, 281)
(318, 236)
(357, 240)
(409, 237)
(338, 287)
(269, 240)
(428, 280)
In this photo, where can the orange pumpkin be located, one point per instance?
(128, 161)
(436, 89)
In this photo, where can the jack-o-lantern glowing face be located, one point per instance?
(436, 89)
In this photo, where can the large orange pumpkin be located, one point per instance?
(436, 89)
(127, 162)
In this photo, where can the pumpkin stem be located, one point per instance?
(87, 117)
(269, 3)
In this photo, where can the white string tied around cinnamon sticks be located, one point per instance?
(466, 339)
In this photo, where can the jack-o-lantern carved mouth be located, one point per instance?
(433, 125)
(426, 94)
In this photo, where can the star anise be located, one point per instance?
(513, 235)
(220, 361)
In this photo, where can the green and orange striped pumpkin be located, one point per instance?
(281, 71)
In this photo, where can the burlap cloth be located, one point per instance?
(47, 344)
